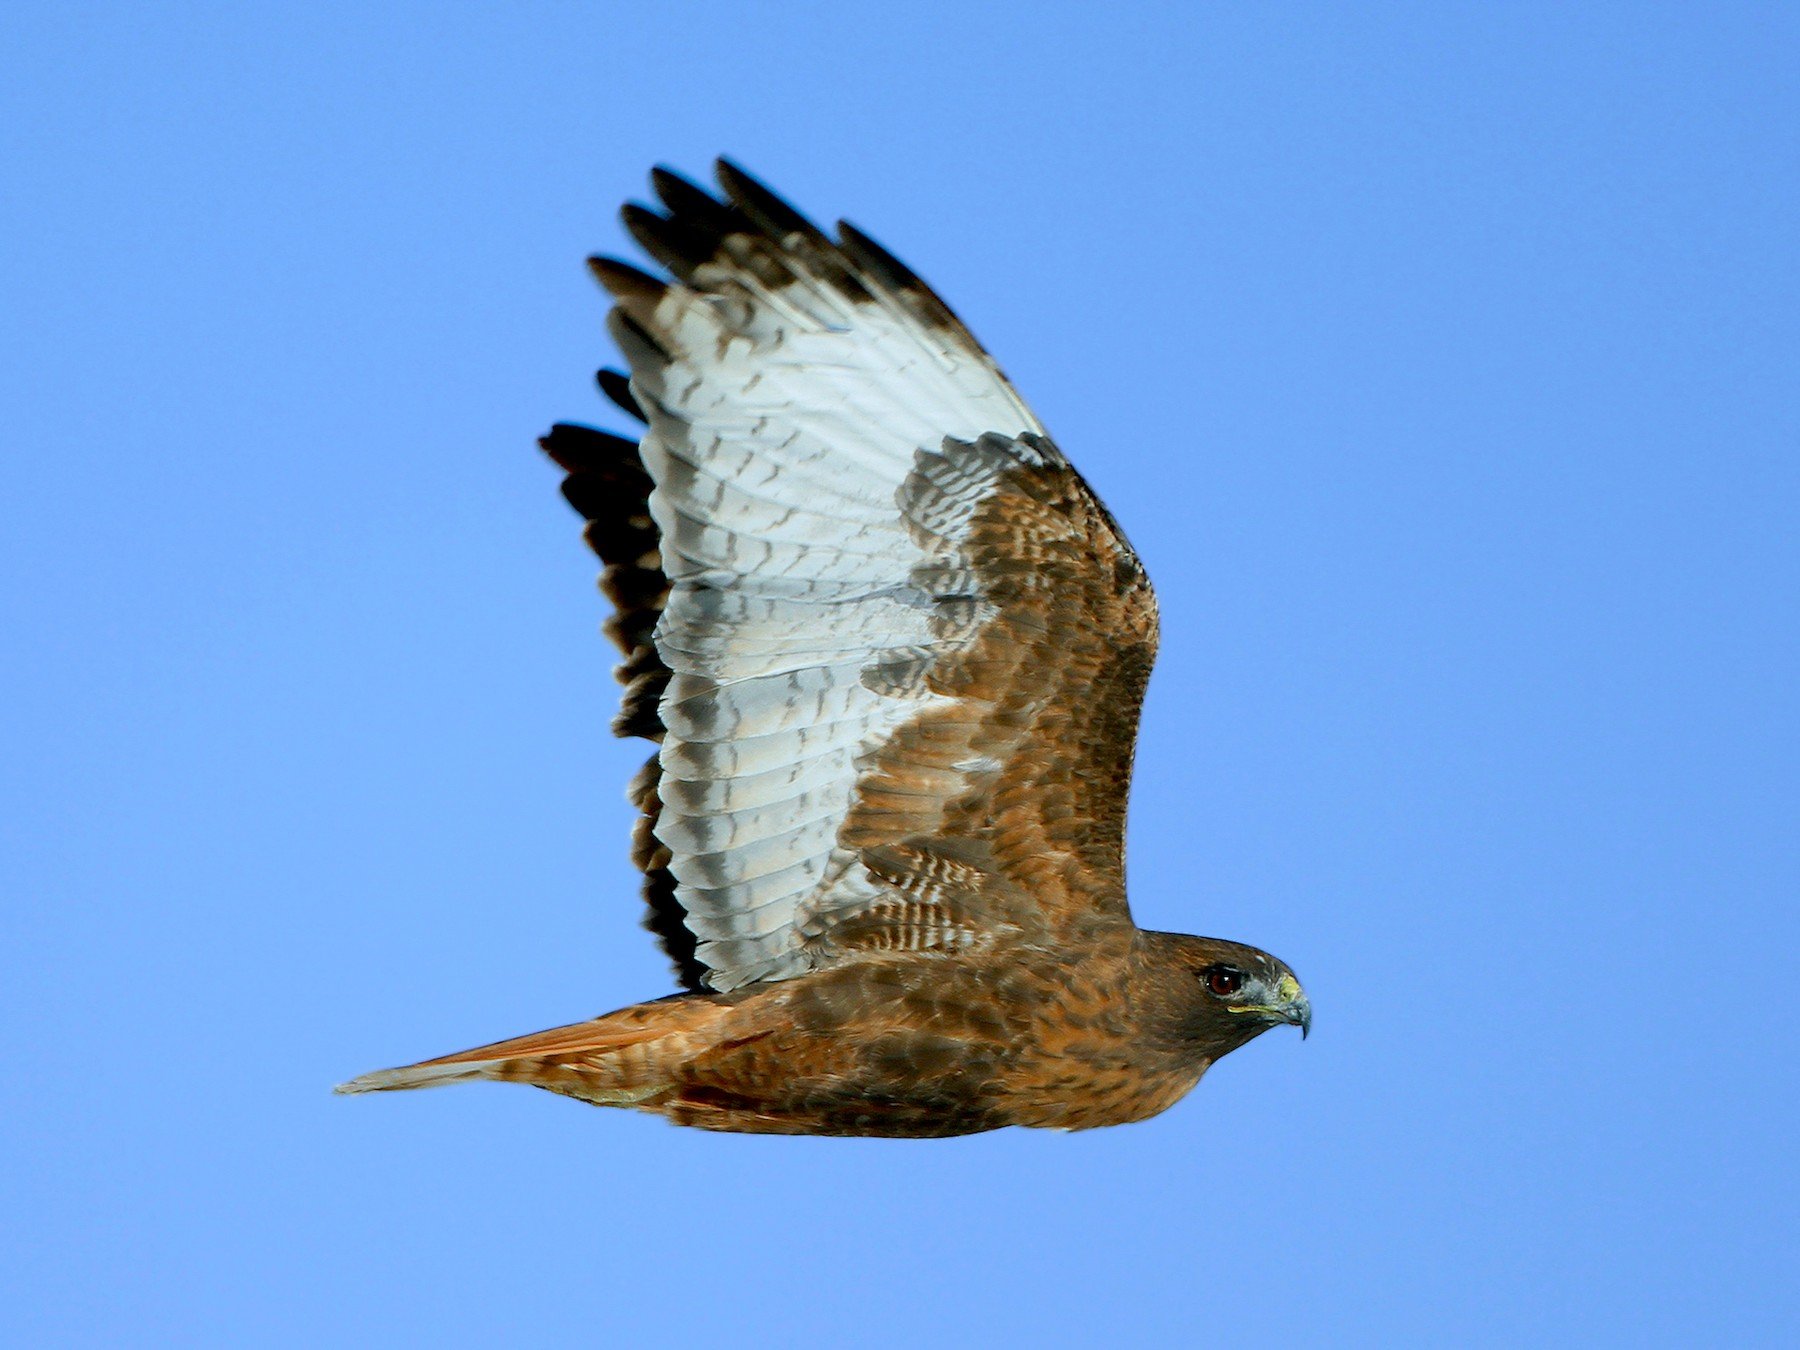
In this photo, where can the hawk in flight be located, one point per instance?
(891, 649)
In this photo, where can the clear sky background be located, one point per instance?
(1440, 360)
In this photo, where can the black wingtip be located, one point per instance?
(894, 275)
(871, 256)
(616, 385)
(772, 213)
(580, 449)
(637, 342)
(674, 242)
(560, 444)
(624, 280)
(686, 199)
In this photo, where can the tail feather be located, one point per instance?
(417, 1076)
(623, 1059)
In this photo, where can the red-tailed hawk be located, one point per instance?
(891, 649)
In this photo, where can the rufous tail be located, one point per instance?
(626, 1058)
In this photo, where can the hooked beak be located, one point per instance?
(1299, 1012)
(1291, 1006)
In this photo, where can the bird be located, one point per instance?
(891, 649)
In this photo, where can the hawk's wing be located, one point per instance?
(898, 647)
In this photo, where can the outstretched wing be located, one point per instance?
(892, 646)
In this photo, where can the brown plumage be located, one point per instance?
(891, 649)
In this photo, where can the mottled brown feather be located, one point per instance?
(1057, 678)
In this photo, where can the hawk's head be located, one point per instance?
(1223, 994)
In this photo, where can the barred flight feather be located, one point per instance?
(830, 554)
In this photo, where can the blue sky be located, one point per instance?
(1440, 360)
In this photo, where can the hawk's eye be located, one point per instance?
(1224, 981)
